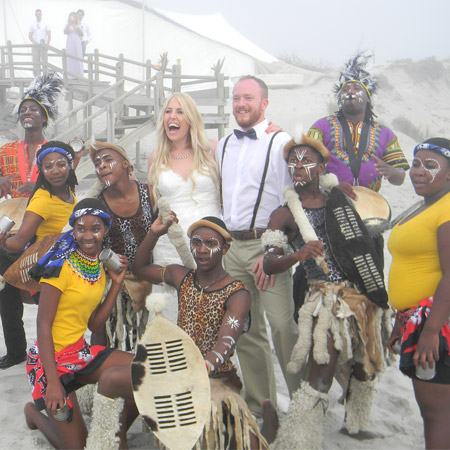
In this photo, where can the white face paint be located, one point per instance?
(233, 322)
(300, 154)
(61, 163)
(212, 244)
(97, 223)
(432, 172)
(112, 164)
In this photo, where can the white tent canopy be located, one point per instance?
(197, 42)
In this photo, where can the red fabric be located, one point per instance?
(69, 360)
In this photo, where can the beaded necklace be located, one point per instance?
(85, 266)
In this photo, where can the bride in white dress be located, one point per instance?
(182, 170)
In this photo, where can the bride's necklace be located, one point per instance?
(181, 157)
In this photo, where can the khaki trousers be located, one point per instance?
(253, 347)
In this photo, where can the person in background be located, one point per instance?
(362, 151)
(419, 289)
(253, 175)
(74, 48)
(39, 33)
(87, 36)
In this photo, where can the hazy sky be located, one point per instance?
(330, 30)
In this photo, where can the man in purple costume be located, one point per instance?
(362, 150)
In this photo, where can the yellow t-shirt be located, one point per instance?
(415, 271)
(78, 300)
(54, 212)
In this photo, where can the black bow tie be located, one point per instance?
(249, 133)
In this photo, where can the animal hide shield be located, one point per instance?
(17, 274)
(353, 248)
(171, 385)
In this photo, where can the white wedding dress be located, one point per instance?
(189, 204)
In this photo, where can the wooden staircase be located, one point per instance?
(112, 96)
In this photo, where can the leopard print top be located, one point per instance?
(200, 316)
(127, 233)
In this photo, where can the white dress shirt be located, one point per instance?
(241, 173)
(87, 36)
(39, 30)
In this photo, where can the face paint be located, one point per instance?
(99, 160)
(212, 244)
(97, 234)
(432, 172)
(300, 154)
(233, 322)
(112, 164)
(61, 163)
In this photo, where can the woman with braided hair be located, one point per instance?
(52, 200)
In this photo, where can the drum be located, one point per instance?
(14, 208)
(170, 384)
(373, 209)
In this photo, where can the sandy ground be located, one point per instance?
(395, 420)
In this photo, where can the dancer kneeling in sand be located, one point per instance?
(61, 361)
(339, 326)
(213, 310)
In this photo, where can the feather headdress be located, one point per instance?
(44, 90)
(355, 71)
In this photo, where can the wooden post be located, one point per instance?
(11, 61)
(110, 124)
(148, 75)
(64, 68)
(72, 117)
(176, 80)
(221, 109)
(159, 93)
(137, 163)
(119, 77)
(3, 76)
(97, 64)
(44, 58)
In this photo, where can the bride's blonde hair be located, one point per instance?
(197, 140)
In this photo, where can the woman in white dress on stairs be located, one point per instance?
(182, 170)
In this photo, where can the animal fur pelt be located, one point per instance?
(105, 423)
(302, 427)
(176, 236)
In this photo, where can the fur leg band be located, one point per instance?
(358, 405)
(303, 426)
(105, 423)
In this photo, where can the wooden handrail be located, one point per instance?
(110, 84)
